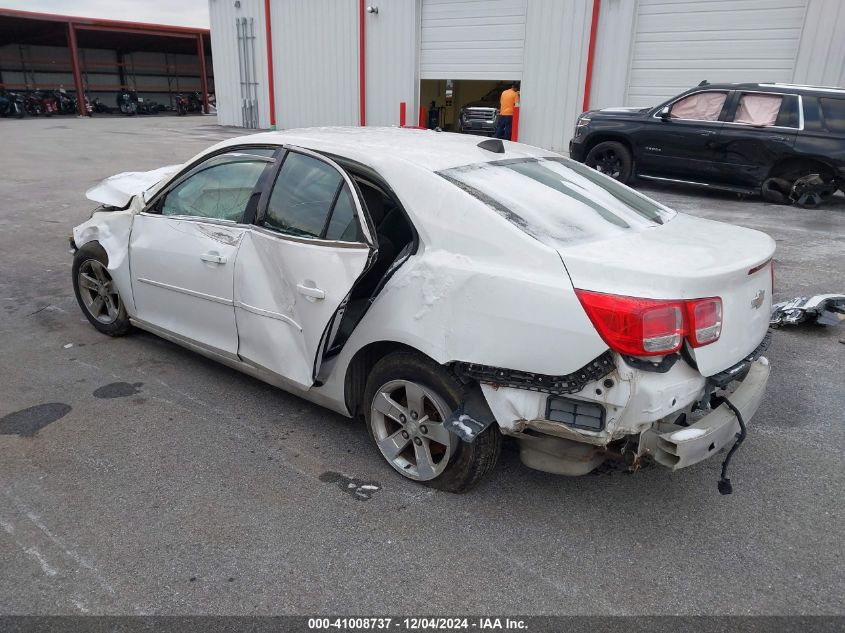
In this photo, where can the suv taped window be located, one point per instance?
(557, 200)
(758, 109)
(218, 189)
(700, 106)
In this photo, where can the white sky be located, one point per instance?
(173, 12)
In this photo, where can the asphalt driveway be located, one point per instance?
(139, 478)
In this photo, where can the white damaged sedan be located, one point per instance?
(449, 291)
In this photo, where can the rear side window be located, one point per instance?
(558, 201)
(758, 109)
(701, 106)
(311, 199)
(833, 111)
(343, 224)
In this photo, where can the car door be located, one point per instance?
(760, 130)
(296, 266)
(682, 142)
(183, 247)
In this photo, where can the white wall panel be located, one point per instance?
(472, 39)
(224, 48)
(614, 37)
(315, 56)
(557, 37)
(392, 63)
(821, 55)
(678, 43)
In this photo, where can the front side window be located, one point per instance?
(701, 106)
(218, 189)
(758, 109)
(311, 199)
(558, 201)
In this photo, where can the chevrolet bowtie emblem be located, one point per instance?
(757, 301)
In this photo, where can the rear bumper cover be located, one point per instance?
(679, 447)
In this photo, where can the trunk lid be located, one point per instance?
(687, 258)
(118, 190)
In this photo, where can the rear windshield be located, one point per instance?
(557, 200)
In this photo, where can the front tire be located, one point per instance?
(407, 400)
(612, 159)
(96, 292)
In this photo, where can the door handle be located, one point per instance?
(214, 258)
(311, 291)
(777, 138)
(706, 133)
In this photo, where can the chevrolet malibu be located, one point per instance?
(449, 291)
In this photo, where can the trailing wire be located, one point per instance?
(724, 484)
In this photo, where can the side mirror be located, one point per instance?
(664, 113)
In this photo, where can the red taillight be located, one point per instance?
(639, 327)
(663, 328)
(704, 318)
(652, 327)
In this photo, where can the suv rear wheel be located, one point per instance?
(612, 159)
(408, 398)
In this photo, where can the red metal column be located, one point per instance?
(362, 66)
(515, 124)
(422, 116)
(203, 73)
(75, 67)
(270, 82)
(591, 52)
(402, 113)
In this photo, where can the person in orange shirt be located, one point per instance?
(507, 101)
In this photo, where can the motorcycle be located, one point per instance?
(127, 102)
(195, 102)
(64, 103)
(99, 107)
(88, 108)
(147, 106)
(11, 104)
(181, 104)
(32, 104)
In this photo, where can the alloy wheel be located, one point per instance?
(407, 421)
(98, 292)
(609, 163)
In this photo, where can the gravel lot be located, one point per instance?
(189, 488)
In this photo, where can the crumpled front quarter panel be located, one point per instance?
(112, 229)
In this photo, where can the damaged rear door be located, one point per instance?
(296, 266)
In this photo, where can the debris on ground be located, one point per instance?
(810, 191)
(821, 309)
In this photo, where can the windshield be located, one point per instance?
(557, 200)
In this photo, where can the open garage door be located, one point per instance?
(676, 45)
(480, 40)
(462, 105)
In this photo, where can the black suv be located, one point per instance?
(782, 141)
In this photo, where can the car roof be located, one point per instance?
(376, 146)
(774, 87)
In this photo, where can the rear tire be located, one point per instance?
(95, 291)
(408, 428)
(612, 159)
(776, 190)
